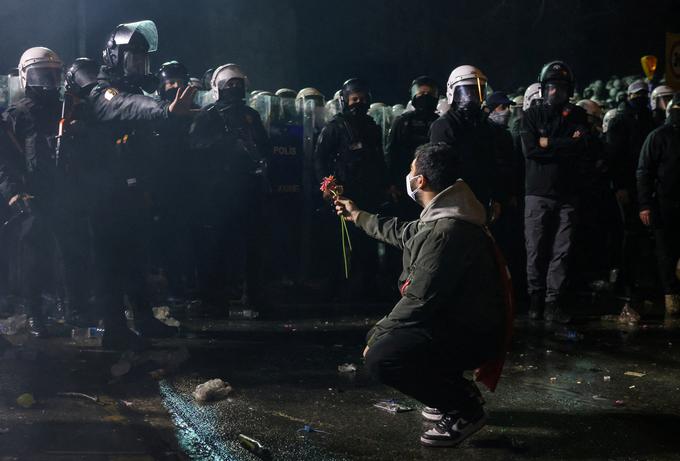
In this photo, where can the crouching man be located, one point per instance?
(451, 315)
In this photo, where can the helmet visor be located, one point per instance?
(466, 95)
(227, 82)
(45, 77)
(556, 92)
(135, 63)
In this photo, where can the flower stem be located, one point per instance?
(344, 250)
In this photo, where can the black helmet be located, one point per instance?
(171, 70)
(81, 76)
(557, 71)
(424, 80)
(139, 38)
(353, 85)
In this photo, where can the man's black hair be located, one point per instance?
(439, 163)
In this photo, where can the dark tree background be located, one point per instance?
(297, 43)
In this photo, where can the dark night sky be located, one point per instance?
(296, 43)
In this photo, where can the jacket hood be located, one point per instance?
(458, 202)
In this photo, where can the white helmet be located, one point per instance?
(660, 92)
(606, 120)
(224, 73)
(532, 93)
(309, 92)
(591, 107)
(40, 66)
(464, 76)
(519, 101)
(285, 93)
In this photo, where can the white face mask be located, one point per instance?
(500, 117)
(411, 193)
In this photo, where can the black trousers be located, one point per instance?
(667, 236)
(120, 228)
(408, 360)
(548, 229)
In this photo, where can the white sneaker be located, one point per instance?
(452, 429)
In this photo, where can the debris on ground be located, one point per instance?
(13, 325)
(255, 447)
(310, 430)
(95, 399)
(635, 374)
(553, 379)
(212, 390)
(162, 313)
(619, 403)
(347, 368)
(569, 335)
(392, 406)
(243, 314)
(26, 400)
(629, 315)
(607, 379)
(4, 430)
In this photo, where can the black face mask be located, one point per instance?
(357, 109)
(169, 95)
(43, 96)
(232, 95)
(425, 103)
(674, 117)
(639, 103)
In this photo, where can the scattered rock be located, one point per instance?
(212, 390)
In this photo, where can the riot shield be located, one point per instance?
(382, 115)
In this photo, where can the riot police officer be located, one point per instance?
(350, 148)
(125, 118)
(231, 142)
(658, 185)
(625, 135)
(410, 130)
(554, 138)
(30, 174)
(173, 209)
(467, 127)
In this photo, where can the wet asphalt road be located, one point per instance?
(558, 399)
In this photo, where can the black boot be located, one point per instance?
(536, 306)
(554, 313)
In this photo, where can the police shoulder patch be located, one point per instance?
(110, 93)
